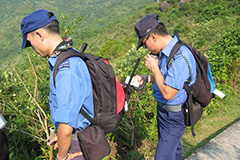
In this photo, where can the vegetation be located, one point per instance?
(98, 16)
(210, 26)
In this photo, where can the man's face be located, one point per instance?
(37, 43)
(151, 43)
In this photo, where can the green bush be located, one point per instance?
(212, 27)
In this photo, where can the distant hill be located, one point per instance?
(98, 16)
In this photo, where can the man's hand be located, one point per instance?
(139, 79)
(151, 63)
(54, 142)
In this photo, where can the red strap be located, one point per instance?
(106, 61)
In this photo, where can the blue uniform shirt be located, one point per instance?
(73, 91)
(177, 73)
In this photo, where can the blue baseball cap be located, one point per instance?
(34, 21)
(145, 26)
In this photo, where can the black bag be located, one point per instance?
(196, 110)
(93, 143)
(108, 93)
(199, 93)
(192, 110)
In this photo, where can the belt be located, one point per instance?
(171, 108)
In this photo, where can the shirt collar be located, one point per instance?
(52, 61)
(167, 49)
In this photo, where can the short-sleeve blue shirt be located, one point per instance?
(177, 73)
(73, 91)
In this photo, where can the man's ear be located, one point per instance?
(40, 34)
(154, 37)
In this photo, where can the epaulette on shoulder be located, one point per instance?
(65, 64)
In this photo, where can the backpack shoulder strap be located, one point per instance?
(67, 54)
(189, 67)
(173, 52)
(61, 58)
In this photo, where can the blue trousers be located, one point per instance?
(171, 127)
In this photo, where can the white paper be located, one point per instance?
(126, 106)
(134, 81)
(3, 122)
(219, 93)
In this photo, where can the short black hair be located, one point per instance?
(53, 26)
(161, 30)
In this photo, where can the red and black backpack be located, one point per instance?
(108, 93)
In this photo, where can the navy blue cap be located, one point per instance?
(34, 21)
(145, 25)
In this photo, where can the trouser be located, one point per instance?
(75, 147)
(171, 127)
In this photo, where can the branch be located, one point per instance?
(33, 98)
(26, 133)
(35, 91)
(35, 74)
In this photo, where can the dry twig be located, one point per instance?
(44, 124)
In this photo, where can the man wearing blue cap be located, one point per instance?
(167, 84)
(40, 30)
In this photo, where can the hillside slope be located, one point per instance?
(98, 15)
